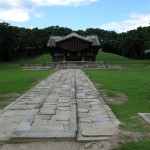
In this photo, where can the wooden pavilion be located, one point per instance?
(73, 47)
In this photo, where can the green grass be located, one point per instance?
(140, 145)
(109, 57)
(134, 81)
(9, 67)
(15, 80)
(111, 94)
(38, 60)
(42, 59)
(117, 59)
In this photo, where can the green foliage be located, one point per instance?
(139, 145)
(133, 43)
(21, 43)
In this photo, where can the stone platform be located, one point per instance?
(66, 105)
(69, 65)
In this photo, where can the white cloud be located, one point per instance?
(19, 10)
(39, 14)
(15, 10)
(63, 2)
(16, 15)
(133, 21)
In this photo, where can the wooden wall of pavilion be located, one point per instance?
(74, 49)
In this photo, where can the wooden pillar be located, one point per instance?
(83, 56)
(64, 59)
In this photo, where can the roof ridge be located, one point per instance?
(73, 34)
(93, 39)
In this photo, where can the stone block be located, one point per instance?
(83, 110)
(88, 119)
(63, 108)
(63, 105)
(27, 121)
(47, 111)
(63, 115)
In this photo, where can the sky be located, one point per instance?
(112, 15)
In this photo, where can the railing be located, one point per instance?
(67, 65)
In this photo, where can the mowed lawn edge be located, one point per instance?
(134, 82)
(14, 82)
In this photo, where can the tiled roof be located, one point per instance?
(91, 38)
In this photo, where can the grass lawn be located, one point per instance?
(134, 82)
(14, 82)
(140, 145)
(116, 59)
(38, 60)
(108, 57)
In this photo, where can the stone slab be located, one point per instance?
(62, 115)
(83, 110)
(44, 117)
(42, 135)
(80, 138)
(97, 132)
(63, 105)
(63, 108)
(21, 107)
(47, 111)
(95, 120)
(145, 116)
(26, 123)
(12, 113)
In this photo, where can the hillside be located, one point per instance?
(102, 56)
(37, 60)
(110, 57)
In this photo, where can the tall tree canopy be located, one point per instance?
(21, 43)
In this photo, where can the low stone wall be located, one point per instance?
(67, 65)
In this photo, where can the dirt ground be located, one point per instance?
(119, 99)
(115, 141)
(8, 98)
(67, 145)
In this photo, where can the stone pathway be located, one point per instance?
(96, 121)
(66, 105)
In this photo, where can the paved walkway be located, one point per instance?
(66, 105)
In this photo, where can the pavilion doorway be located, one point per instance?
(73, 56)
